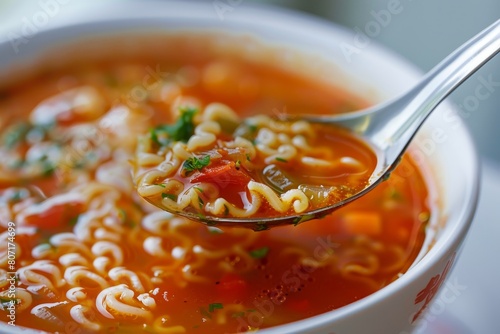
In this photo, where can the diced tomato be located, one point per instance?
(54, 213)
(222, 174)
(232, 287)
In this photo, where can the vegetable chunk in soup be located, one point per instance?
(82, 251)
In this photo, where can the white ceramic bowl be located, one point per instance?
(443, 147)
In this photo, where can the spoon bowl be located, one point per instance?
(387, 128)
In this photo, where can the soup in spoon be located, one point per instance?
(211, 162)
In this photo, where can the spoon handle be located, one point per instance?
(416, 105)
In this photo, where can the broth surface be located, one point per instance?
(91, 255)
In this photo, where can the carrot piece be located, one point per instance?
(362, 222)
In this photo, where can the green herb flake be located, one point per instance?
(153, 134)
(169, 196)
(205, 313)
(252, 127)
(261, 226)
(192, 164)
(200, 202)
(259, 253)
(15, 135)
(18, 195)
(214, 306)
(215, 230)
(304, 218)
(209, 223)
(47, 167)
(6, 302)
(199, 189)
(122, 214)
(281, 159)
(74, 220)
(181, 130)
(238, 315)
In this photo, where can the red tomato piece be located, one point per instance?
(222, 174)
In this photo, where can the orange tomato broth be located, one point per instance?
(230, 175)
(279, 282)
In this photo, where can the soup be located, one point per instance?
(213, 162)
(87, 254)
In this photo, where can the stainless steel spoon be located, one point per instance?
(390, 127)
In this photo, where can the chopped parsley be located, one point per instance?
(74, 220)
(5, 302)
(238, 315)
(20, 132)
(205, 313)
(122, 214)
(18, 195)
(304, 218)
(215, 230)
(170, 196)
(261, 226)
(281, 159)
(16, 134)
(181, 130)
(252, 127)
(214, 306)
(259, 253)
(194, 163)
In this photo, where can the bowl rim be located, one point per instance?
(254, 15)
